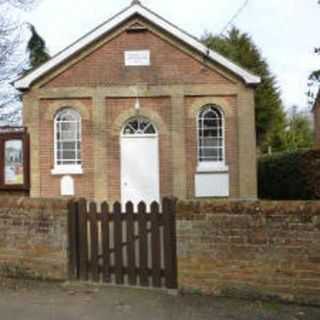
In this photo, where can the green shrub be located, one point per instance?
(290, 176)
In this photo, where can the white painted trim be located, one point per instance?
(73, 168)
(156, 174)
(205, 167)
(215, 184)
(67, 170)
(67, 186)
(142, 135)
(25, 82)
(212, 166)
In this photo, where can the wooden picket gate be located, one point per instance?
(133, 248)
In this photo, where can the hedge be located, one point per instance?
(290, 176)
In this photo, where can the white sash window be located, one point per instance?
(67, 142)
(211, 142)
(212, 176)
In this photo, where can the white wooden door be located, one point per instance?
(140, 169)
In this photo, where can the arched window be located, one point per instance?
(139, 126)
(211, 145)
(67, 138)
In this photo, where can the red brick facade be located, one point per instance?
(230, 143)
(50, 184)
(116, 107)
(105, 65)
(171, 91)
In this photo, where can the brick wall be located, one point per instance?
(159, 109)
(176, 83)
(33, 238)
(246, 249)
(14, 193)
(228, 107)
(105, 65)
(50, 184)
(250, 249)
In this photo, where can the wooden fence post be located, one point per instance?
(105, 220)
(131, 248)
(143, 245)
(94, 263)
(170, 249)
(155, 245)
(173, 237)
(73, 250)
(83, 240)
(117, 231)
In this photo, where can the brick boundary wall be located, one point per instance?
(263, 250)
(268, 250)
(33, 238)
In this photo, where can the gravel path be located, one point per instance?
(47, 301)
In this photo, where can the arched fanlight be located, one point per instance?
(139, 126)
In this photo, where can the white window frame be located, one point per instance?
(138, 132)
(211, 166)
(66, 169)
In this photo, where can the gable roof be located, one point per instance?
(135, 9)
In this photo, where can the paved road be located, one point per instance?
(42, 301)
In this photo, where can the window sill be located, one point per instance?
(67, 170)
(205, 167)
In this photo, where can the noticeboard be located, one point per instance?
(14, 158)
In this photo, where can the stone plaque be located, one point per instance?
(137, 58)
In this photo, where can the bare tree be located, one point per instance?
(13, 58)
(19, 3)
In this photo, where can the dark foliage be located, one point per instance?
(270, 116)
(37, 49)
(290, 176)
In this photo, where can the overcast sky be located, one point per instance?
(286, 31)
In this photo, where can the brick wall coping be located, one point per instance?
(10, 202)
(197, 210)
(189, 209)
